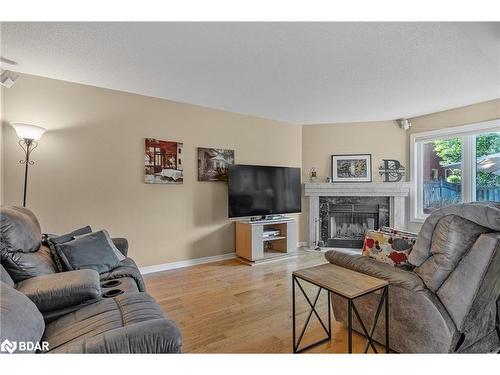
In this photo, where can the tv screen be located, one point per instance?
(259, 190)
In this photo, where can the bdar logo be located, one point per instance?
(8, 346)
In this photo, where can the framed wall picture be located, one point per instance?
(352, 168)
(163, 162)
(213, 163)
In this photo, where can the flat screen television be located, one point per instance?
(261, 190)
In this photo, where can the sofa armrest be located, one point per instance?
(61, 290)
(121, 244)
(395, 276)
(148, 337)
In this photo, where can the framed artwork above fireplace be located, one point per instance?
(352, 168)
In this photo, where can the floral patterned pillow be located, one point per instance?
(389, 246)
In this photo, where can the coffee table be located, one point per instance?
(345, 283)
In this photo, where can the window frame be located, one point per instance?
(468, 134)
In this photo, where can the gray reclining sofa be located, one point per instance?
(74, 311)
(450, 301)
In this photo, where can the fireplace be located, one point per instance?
(347, 224)
(354, 207)
(344, 220)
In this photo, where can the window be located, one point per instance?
(487, 176)
(441, 173)
(454, 165)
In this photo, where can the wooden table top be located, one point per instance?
(348, 283)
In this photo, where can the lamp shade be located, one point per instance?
(28, 131)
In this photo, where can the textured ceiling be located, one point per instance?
(294, 72)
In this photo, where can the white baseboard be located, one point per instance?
(185, 263)
(302, 244)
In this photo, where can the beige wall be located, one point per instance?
(89, 165)
(471, 114)
(382, 139)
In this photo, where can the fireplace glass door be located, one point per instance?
(347, 223)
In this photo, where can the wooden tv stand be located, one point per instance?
(252, 247)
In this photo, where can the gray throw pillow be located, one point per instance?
(52, 240)
(91, 251)
(118, 253)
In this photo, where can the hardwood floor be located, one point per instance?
(230, 307)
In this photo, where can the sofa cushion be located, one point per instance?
(453, 236)
(101, 317)
(20, 319)
(156, 336)
(19, 230)
(126, 268)
(22, 266)
(95, 251)
(52, 240)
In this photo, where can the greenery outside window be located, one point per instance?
(454, 165)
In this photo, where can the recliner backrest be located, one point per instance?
(5, 277)
(19, 230)
(20, 318)
(472, 288)
(486, 214)
(453, 236)
(21, 251)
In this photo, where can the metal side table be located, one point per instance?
(345, 283)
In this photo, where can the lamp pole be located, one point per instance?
(28, 145)
(28, 135)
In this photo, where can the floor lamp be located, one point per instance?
(29, 135)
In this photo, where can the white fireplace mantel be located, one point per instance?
(358, 189)
(396, 191)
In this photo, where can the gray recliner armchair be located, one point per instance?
(449, 302)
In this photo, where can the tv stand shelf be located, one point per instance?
(273, 238)
(253, 247)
